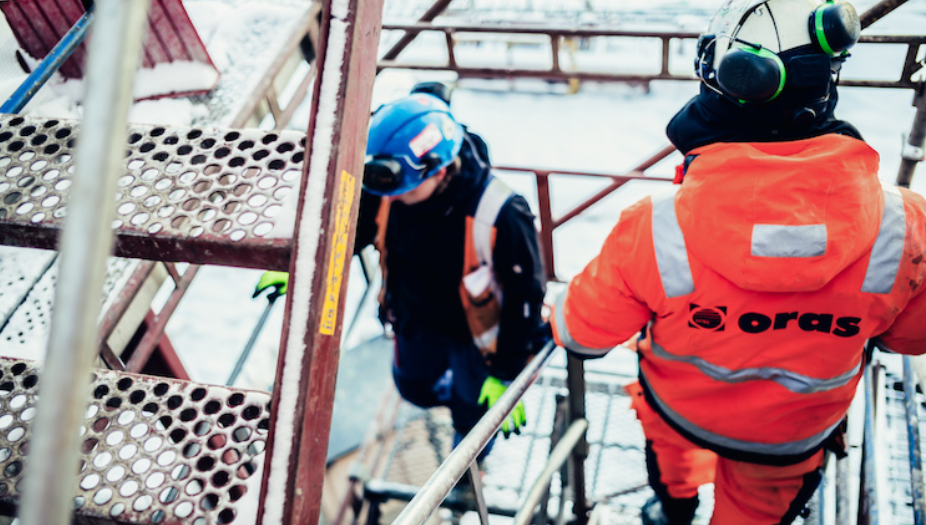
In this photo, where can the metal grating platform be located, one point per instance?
(153, 450)
(28, 293)
(200, 195)
(262, 36)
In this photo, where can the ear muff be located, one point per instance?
(751, 74)
(834, 27)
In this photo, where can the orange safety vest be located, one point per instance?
(480, 291)
(760, 278)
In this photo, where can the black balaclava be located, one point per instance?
(711, 117)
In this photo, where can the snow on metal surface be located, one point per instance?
(19, 271)
(309, 233)
(153, 450)
(179, 184)
(25, 335)
(244, 46)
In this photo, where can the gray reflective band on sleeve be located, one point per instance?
(797, 383)
(773, 240)
(888, 249)
(669, 243)
(565, 337)
(490, 205)
(772, 449)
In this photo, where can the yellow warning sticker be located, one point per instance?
(337, 257)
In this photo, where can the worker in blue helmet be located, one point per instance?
(410, 141)
(462, 273)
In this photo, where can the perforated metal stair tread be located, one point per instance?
(153, 450)
(195, 194)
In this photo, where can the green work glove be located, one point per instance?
(492, 389)
(277, 280)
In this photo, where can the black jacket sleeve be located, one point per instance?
(519, 270)
(366, 221)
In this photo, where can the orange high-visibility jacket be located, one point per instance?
(760, 278)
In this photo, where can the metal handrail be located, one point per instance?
(868, 497)
(49, 65)
(558, 457)
(443, 480)
(913, 442)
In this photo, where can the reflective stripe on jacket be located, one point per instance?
(760, 278)
(479, 288)
(480, 292)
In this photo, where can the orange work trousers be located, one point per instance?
(744, 493)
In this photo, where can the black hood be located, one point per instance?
(710, 117)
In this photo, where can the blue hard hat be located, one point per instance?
(410, 140)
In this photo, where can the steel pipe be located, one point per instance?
(868, 493)
(558, 457)
(442, 481)
(51, 63)
(86, 242)
(843, 504)
(913, 443)
(913, 151)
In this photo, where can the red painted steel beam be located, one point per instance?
(155, 329)
(878, 11)
(429, 15)
(636, 173)
(126, 296)
(303, 394)
(555, 73)
(546, 223)
(564, 32)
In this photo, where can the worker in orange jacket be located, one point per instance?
(757, 281)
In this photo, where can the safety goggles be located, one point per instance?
(389, 175)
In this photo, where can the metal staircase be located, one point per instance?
(166, 451)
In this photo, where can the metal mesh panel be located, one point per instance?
(26, 331)
(19, 271)
(219, 187)
(153, 450)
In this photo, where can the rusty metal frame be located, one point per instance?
(303, 394)
(264, 90)
(149, 341)
(557, 73)
(436, 9)
(548, 223)
(114, 314)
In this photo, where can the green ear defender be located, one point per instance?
(751, 74)
(834, 27)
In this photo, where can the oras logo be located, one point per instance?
(710, 318)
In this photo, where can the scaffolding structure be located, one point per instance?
(151, 450)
